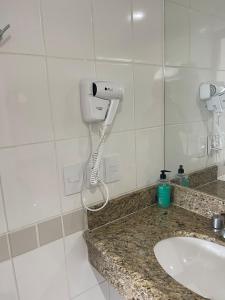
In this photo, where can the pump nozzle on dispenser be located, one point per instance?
(163, 174)
(181, 169)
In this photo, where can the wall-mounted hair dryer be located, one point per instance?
(214, 95)
(99, 103)
(100, 100)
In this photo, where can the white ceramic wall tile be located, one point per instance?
(7, 282)
(71, 152)
(113, 294)
(218, 33)
(202, 40)
(68, 28)
(205, 6)
(176, 34)
(180, 2)
(149, 155)
(148, 30)
(24, 103)
(41, 273)
(182, 95)
(25, 33)
(183, 145)
(219, 8)
(124, 145)
(64, 78)
(81, 275)
(123, 74)
(29, 181)
(99, 292)
(148, 96)
(220, 76)
(112, 26)
(3, 227)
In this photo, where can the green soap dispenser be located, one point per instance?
(164, 190)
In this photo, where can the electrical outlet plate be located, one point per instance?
(73, 174)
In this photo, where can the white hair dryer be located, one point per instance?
(100, 100)
(214, 95)
(99, 103)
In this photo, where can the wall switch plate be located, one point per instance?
(73, 177)
(112, 168)
(215, 144)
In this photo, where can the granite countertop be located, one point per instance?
(215, 188)
(122, 251)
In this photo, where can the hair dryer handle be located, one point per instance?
(111, 112)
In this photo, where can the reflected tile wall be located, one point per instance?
(194, 53)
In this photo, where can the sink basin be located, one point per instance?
(197, 264)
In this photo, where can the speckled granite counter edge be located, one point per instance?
(203, 176)
(122, 206)
(130, 283)
(111, 271)
(197, 201)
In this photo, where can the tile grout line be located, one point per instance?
(135, 62)
(186, 123)
(8, 241)
(196, 10)
(76, 137)
(51, 108)
(93, 32)
(37, 235)
(83, 59)
(65, 260)
(88, 289)
(134, 97)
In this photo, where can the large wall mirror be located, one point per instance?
(195, 54)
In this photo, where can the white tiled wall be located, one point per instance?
(41, 273)
(76, 255)
(3, 226)
(50, 46)
(29, 179)
(7, 282)
(194, 53)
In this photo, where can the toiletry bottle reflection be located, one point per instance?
(181, 177)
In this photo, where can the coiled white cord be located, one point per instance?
(94, 164)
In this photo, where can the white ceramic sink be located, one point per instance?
(197, 264)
